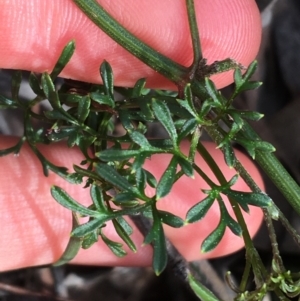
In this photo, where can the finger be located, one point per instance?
(36, 228)
(34, 32)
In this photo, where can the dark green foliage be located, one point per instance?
(116, 174)
(113, 168)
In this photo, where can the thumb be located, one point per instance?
(34, 32)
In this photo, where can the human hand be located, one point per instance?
(33, 34)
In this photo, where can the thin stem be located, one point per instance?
(204, 176)
(245, 277)
(252, 255)
(277, 173)
(157, 61)
(289, 228)
(211, 162)
(274, 243)
(194, 32)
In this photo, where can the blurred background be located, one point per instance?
(278, 99)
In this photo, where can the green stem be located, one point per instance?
(277, 173)
(252, 255)
(194, 32)
(204, 176)
(285, 222)
(274, 243)
(157, 61)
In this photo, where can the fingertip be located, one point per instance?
(234, 32)
(34, 32)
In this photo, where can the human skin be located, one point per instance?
(33, 33)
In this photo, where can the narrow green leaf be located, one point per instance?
(48, 88)
(235, 128)
(237, 118)
(200, 290)
(251, 115)
(73, 245)
(56, 115)
(126, 226)
(151, 234)
(188, 95)
(91, 225)
(151, 180)
(63, 59)
(229, 154)
(175, 108)
(170, 219)
(126, 121)
(97, 197)
(126, 199)
(189, 127)
(34, 84)
(186, 106)
(157, 238)
(238, 78)
(74, 138)
(74, 178)
(250, 70)
(205, 108)
(102, 99)
(249, 145)
(60, 133)
(115, 247)
(140, 177)
(70, 99)
(213, 93)
(66, 201)
(83, 108)
(194, 142)
(186, 166)
(163, 114)
(139, 161)
(233, 180)
(117, 154)
(198, 211)
(264, 146)
(242, 82)
(86, 173)
(15, 85)
(109, 174)
(140, 140)
(145, 110)
(230, 222)
(160, 257)
(166, 181)
(251, 85)
(244, 207)
(213, 239)
(249, 198)
(14, 149)
(233, 226)
(138, 88)
(107, 78)
(89, 239)
(124, 235)
(6, 103)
